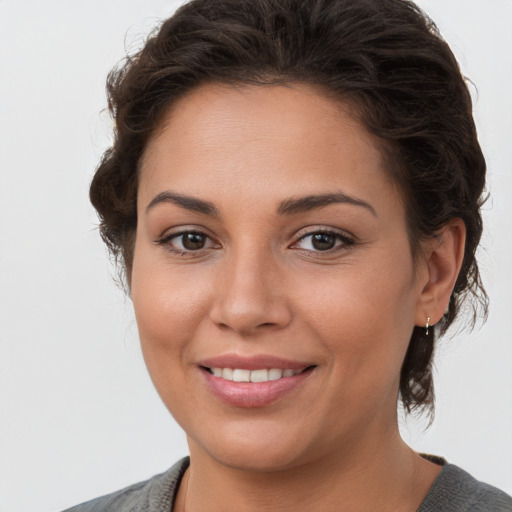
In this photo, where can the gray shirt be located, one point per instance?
(454, 490)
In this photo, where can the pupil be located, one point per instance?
(323, 241)
(193, 241)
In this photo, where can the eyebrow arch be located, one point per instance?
(303, 204)
(184, 201)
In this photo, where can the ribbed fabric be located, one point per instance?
(154, 495)
(454, 490)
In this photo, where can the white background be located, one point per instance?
(78, 414)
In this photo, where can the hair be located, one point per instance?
(386, 57)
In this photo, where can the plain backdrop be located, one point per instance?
(78, 414)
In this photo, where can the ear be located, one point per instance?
(443, 257)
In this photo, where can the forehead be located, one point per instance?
(288, 140)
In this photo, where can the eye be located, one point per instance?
(192, 241)
(323, 241)
(187, 242)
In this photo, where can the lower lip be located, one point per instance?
(253, 394)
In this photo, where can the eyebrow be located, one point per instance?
(287, 207)
(306, 203)
(186, 202)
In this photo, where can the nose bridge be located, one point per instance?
(249, 295)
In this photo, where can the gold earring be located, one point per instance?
(427, 325)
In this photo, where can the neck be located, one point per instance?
(381, 476)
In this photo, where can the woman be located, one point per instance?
(294, 192)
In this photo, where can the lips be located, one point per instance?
(256, 362)
(253, 382)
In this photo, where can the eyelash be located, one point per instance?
(166, 241)
(344, 239)
(345, 242)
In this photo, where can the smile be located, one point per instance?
(259, 375)
(254, 387)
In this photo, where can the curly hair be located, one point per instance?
(384, 56)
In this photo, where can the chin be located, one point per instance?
(258, 460)
(254, 448)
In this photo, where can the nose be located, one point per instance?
(251, 297)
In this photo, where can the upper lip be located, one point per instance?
(257, 362)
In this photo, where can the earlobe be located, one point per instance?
(443, 259)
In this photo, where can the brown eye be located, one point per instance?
(323, 241)
(193, 241)
(187, 242)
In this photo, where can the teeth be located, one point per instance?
(259, 376)
(263, 375)
(241, 375)
(227, 373)
(275, 373)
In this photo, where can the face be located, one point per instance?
(271, 247)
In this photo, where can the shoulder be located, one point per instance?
(455, 490)
(154, 495)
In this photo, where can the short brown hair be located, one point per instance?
(384, 56)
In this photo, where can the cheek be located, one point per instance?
(364, 318)
(169, 312)
(169, 307)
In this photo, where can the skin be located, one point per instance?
(259, 286)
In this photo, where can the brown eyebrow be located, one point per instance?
(183, 201)
(303, 204)
(288, 207)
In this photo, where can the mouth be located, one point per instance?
(255, 376)
(254, 382)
